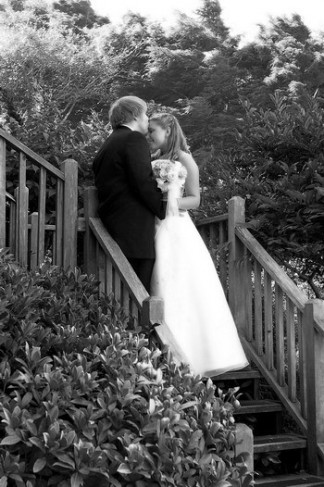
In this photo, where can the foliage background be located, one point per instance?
(85, 400)
(253, 114)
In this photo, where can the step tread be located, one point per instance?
(279, 442)
(259, 406)
(302, 480)
(247, 373)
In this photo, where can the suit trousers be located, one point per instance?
(143, 269)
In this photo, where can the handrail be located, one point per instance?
(282, 391)
(283, 330)
(125, 270)
(150, 307)
(40, 161)
(275, 271)
(23, 232)
(104, 258)
(211, 219)
(10, 197)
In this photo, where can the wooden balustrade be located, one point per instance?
(104, 259)
(23, 232)
(2, 193)
(214, 232)
(281, 334)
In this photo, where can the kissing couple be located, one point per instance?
(143, 203)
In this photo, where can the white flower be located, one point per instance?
(167, 171)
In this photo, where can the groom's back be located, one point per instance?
(112, 168)
(119, 168)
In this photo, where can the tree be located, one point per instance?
(278, 166)
(210, 14)
(81, 13)
(51, 79)
(296, 55)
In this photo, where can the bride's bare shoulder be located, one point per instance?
(187, 160)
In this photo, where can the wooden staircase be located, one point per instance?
(271, 441)
(281, 332)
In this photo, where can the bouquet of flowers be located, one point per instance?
(166, 172)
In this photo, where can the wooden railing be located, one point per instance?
(104, 259)
(282, 331)
(214, 232)
(38, 214)
(282, 334)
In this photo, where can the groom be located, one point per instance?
(129, 198)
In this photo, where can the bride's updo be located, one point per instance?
(177, 140)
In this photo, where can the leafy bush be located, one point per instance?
(277, 165)
(85, 402)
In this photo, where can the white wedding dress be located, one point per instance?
(196, 312)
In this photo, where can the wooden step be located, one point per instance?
(301, 480)
(247, 373)
(259, 406)
(281, 442)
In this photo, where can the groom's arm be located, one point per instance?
(139, 170)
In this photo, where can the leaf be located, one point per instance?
(76, 480)
(247, 480)
(10, 440)
(39, 464)
(17, 477)
(188, 405)
(243, 457)
(64, 458)
(320, 192)
(124, 469)
(114, 482)
(69, 437)
(37, 442)
(31, 427)
(273, 459)
(63, 465)
(151, 406)
(3, 481)
(195, 437)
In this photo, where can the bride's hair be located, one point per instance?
(177, 140)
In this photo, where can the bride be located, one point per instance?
(184, 275)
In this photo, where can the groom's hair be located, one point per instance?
(125, 110)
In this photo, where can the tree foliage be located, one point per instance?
(279, 168)
(62, 65)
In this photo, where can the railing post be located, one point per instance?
(236, 295)
(22, 213)
(152, 311)
(152, 314)
(12, 224)
(2, 193)
(70, 169)
(314, 343)
(33, 260)
(90, 210)
(244, 445)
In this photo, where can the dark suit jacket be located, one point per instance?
(129, 198)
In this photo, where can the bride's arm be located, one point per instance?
(191, 200)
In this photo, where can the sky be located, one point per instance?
(241, 16)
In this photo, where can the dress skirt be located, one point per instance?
(196, 310)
